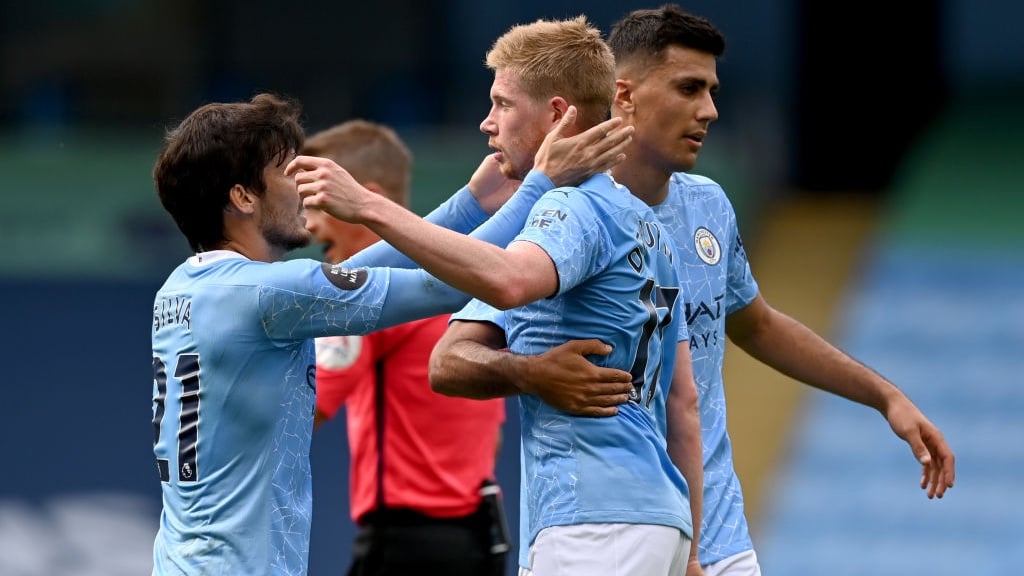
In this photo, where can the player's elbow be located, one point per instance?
(513, 288)
(443, 369)
(525, 274)
(502, 292)
(438, 372)
(443, 380)
(509, 296)
(442, 385)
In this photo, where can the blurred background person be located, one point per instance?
(418, 458)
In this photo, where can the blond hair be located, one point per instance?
(564, 58)
(371, 152)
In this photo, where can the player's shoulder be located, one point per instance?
(595, 198)
(177, 277)
(696, 190)
(206, 270)
(696, 184)
(591, 189)
(299, 275)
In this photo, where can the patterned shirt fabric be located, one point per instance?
(715, 280)
(233, 360)
(247, 374)
(617, 283)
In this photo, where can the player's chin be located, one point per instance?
(513, 172)
(300, 239)
(504, 165)
(685, 161)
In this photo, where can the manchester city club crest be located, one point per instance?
(707, 246)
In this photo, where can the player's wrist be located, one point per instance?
(376, 210)
(521, 368)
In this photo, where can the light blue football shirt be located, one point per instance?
(617, 283)
(233, 359)
(233, 399)
(463, 214)
(715, 279)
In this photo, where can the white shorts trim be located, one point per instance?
(608, 550)
(742, 564)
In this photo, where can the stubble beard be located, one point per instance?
(514, 172)
(288, 240)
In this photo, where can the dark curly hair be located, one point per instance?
(215, 147)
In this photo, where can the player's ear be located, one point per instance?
(624, 96)
(558, 106)
(241, 199)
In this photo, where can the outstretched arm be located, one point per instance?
(684, 442)
(487, 191)
(795, 350)
(471, 361)
(561, 161)
(503, 278)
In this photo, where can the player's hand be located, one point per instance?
(490, 187)
(938, 468)
(564, 378)
(324, 185)
(568, 161)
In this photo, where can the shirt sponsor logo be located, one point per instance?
(548, 217)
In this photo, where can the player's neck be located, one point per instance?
(256, 249)
(646, 182)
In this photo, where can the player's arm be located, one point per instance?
(795, 350)
(560, 161)
(503, 278)
(684, 440)
(470, 360)
(310, 299)
(487, 191)
(415, 294)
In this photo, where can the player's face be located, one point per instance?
(674, 105)
(516, 125)
(340, 239)
(281, 220)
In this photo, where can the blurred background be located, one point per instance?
(872, 150)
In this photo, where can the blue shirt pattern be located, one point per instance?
(716, 280)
